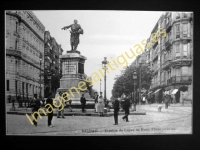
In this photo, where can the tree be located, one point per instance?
(124, 82)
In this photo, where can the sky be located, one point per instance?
(106, 34)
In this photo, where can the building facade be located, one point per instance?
(24, 52)
(52, 67)
(170, 58)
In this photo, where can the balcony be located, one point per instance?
(181, 62)
(181, 80)
(166, 65)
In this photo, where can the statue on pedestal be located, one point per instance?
(75, 31)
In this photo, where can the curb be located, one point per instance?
(77, 113)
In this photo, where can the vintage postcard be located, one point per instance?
(102, 73)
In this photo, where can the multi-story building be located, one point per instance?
(24, 52)
(170, 58)
(52, 63)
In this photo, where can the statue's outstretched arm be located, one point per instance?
(66, 27)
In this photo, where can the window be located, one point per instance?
(185, 30)
(184, 15)
(167, 20)
(177, 50)
(16, 26)
(167, 37)
(8, 85)
(177, 16)
(178, 72)
(185, 50)
(185, 70)
(16, 44)
(178, 31)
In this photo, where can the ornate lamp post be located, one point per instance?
(104, 63)
(40, 75)
(134, 81)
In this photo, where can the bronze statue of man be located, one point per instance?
(75, 31)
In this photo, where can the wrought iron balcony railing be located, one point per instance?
(181, 79)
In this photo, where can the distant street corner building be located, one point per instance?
(171, 58)
(52, 51)
(24, 47)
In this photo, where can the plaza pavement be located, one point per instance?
(177, 119)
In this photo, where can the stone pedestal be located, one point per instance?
(72, 74)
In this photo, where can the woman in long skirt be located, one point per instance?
(100, 106)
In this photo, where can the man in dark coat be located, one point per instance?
(50, 115)
(83, 102)
(126, 108)
(116, 111)
(36, 105)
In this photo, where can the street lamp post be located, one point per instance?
(40, 75)
(104, 63)
(49, 78)
(134, 80)
(140, 65)
(100, 85)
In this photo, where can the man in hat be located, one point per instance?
(35, 106)
(116, 110)
(50, 114)
(83, 102)
(75, 31)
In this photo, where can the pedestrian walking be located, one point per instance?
(35, 104)
(166, 101)
(96, 96)
(116, 110)
(57, 96)
(50, 111)
(100, 105)
(83, 102)
(126, 108)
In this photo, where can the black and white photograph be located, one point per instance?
(98, 72)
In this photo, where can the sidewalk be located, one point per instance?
(140, 110)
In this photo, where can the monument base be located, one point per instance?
(74, 51)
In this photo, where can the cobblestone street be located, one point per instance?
(177, 119)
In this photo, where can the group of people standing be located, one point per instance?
(35, 104)
(99, 104)
(125, 104)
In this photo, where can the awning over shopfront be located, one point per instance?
(157, 91)
(166, 92)
(150, 92)
(174, 91)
